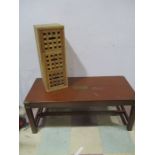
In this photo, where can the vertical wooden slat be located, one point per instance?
(37, 118)
(31, 119)
(131, 118)
(122, 116)
(125, 113)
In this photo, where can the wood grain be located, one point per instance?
(106, 89)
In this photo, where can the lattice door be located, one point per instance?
(51, 48)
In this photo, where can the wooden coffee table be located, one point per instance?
(83, 92)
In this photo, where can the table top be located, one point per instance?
(83, 89)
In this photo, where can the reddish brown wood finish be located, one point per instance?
(84, 89)
(83, 92)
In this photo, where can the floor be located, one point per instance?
(66, 135)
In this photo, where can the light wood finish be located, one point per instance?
(51, 50)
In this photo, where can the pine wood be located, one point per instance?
(50, 41)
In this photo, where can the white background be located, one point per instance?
(99, 37)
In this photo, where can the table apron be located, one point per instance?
(80, 104)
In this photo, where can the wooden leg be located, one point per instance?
(37, 118)
(31, 119)
(131, 118)
(122, 116)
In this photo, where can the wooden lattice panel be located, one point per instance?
(51, 49)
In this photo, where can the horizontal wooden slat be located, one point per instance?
(110, 112)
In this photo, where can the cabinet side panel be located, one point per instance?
(42, 66)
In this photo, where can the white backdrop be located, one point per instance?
(99, 37)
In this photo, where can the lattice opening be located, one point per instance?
(56, 78)
(54, 61)
(51, 40)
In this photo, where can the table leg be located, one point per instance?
(31, 119)
(122, 116)
(131, 118)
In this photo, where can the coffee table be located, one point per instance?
(83, 93)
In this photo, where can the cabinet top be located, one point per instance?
(44, 26)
